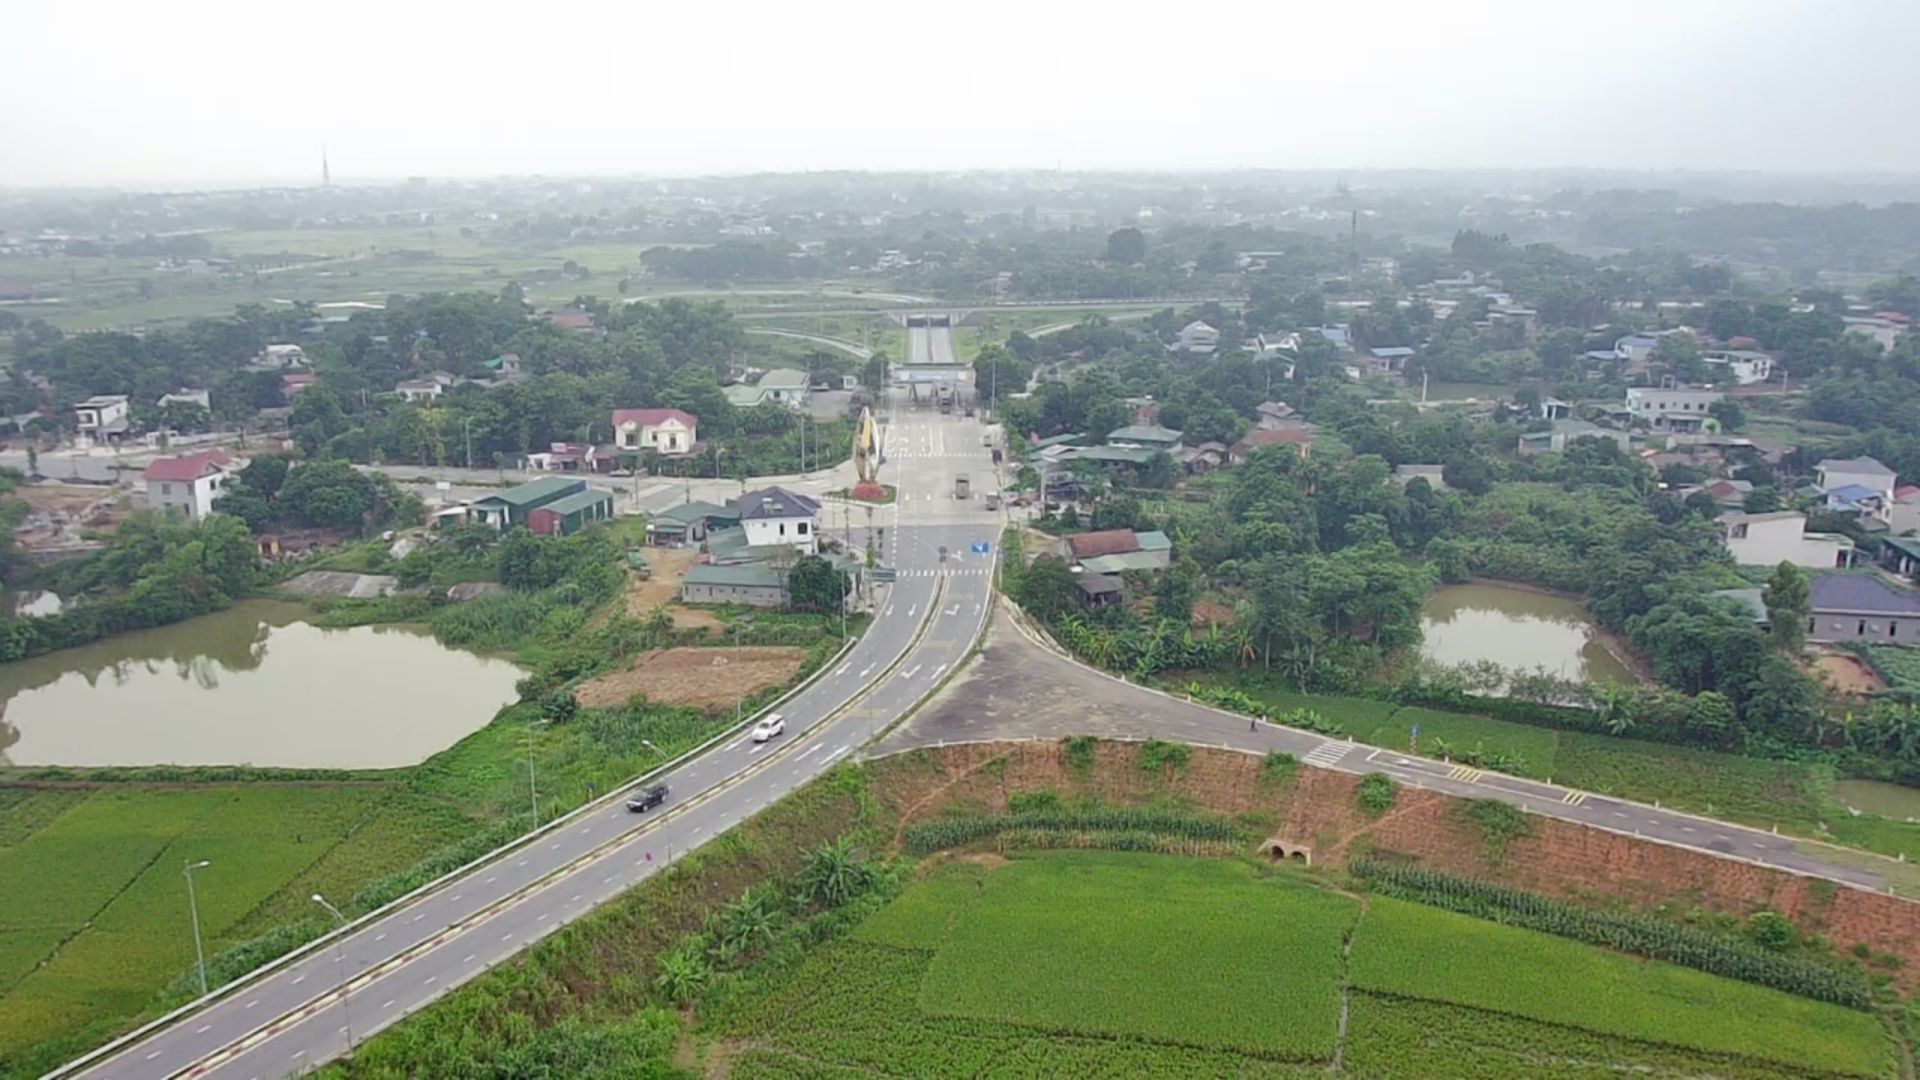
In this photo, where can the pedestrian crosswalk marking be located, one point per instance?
(1574, 798)
(1465, 772)
(1326, 754)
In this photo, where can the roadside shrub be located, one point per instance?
(1375, 793)
(1278, 767)
(1078, 751)
(1034, 802)
(1162, 758)
(1499, 823)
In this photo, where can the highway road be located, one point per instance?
(924, 625)
(930, 345)
(1023, 688)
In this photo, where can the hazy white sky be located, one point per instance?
(240, 90)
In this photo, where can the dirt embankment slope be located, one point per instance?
(1316, 810)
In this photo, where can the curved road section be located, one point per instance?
(1024, 689)
(925, 623)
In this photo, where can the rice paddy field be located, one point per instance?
(1111, 964)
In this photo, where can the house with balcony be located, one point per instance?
(1671, 408)
(101, 418)
(666, 432)
(1742, 367)
(1196, 339)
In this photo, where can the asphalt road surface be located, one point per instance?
(924, 625)
(1022, 689)
(930, 345)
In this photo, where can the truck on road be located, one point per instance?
(960, 486)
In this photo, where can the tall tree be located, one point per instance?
(814, 584)
(1128, 246)
(1789, 601)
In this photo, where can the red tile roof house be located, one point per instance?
(667, 432)
(189, 483)
(1254, 440)
(1095, 544)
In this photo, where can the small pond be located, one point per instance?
(252, 685)
(1518, 629)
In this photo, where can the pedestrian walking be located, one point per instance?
(1253, 723)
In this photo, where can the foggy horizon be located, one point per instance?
(232, 95)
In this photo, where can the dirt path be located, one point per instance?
(670, 566)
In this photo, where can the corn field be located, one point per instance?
(1637, 934)
(1163, 826)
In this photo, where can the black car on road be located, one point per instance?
(648, 798)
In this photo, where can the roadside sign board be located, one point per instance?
(981, 547)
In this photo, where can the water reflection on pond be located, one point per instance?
(252, 685)
(1517, 629)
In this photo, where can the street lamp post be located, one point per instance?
(533, 791)
(193, 909)
(468, 426)
(666, 823)
(340, 967)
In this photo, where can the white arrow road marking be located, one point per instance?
(807, 751)
(912, 611)
(889, 610)
(912, 671)
(843, 668)
(937, 671)
(954, 610)
(836, 755)
(865, 671)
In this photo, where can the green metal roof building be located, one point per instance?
(571, 513)
(512, 506)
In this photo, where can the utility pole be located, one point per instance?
(193, 907)
(533, 792)
(468, 425)
(666, 825)
(340, 967)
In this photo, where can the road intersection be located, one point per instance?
(387, 966)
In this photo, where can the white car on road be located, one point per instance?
(768, 728)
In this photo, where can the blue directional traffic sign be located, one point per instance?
(981, 547)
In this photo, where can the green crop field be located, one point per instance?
(1173, 950)
(97, 918)
(1536, 747)
(1407, 950)
(1104, 964)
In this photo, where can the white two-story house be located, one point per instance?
(100, 418)
(1671, 408)
(188, 484)
(667, 432)
(776, 517)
